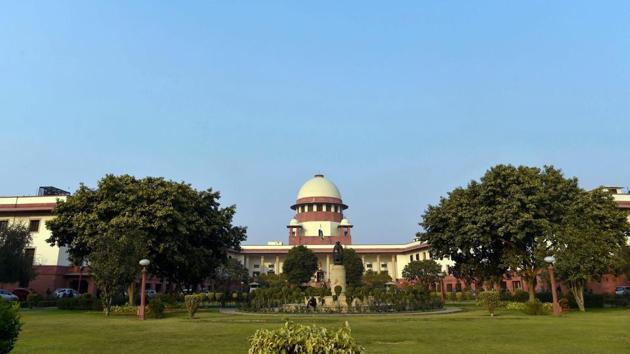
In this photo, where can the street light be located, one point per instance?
(144, 263)
(556, 306)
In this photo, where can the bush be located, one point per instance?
(218, 296)
(192, 303)
(235, 296)
(338, 289)
(84, 302)
(156, 308)
(535, 308)
(10, 325)
(515, 306)
(34, 299)
(210, 297)
(544, 297)
(296, 338)
(168, 299)
(459, 296)
(521, 296)
(490, 299)
(124, 310)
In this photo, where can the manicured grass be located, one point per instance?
(472, 331)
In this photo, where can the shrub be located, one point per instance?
(564, 304)
(124, 310)
(10, 325)
(244, 296)
(156, 308)
(296, 338)
(535, 308)
(192, 303)
(84, 302)
(218, 296)
(167, 299)
(34, 299)
(338, 289)
(235, 296)
(521, 296)
(210, 297)
(459, 296)
(490, 299)
(513, 305)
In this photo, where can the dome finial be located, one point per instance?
(319, 175)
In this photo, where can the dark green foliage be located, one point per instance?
(338, 289)
(590, 301)
(184, 232)
(34, 299)
(299, 265)
(490, 299)
(15, 265)
(10, 325)
(425, 272)
(85, 302)
(509, 219)
(272, 280)
(534, 308)
(589, 244)
(156, 308)
(372, 279)
(354, 267)
(520, 296)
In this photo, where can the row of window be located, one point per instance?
(33, 225)
(424, 256)
(319, 207)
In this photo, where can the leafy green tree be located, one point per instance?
(424, 272)
(15, 264)
(504, 222)
(184, 232)
(374, 280)
(300, 265)
(453, 232)
(592, 237)
(10, 325)
(230, 275)
(114, 261)
(272, 280)
(354, 267)
(623, 264)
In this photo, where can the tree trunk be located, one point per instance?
(577, 289)
(531, 288)
(130, 293)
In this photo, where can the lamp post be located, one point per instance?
(556, 306)
(144, 263)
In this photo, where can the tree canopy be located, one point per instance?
(590, 241)
(372, 279)
(425, 272)
(15, 264)
(300, 265)
(354, 267)
(183, 232)
(504, 222)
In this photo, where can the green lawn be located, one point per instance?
(472, 331)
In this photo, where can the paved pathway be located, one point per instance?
(446, 310)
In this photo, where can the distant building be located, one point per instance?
(51, 264)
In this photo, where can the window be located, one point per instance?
(516, 284)
(368, 266)
(33, 226)
(4, 224)
(424, 256)
(271, 266)
(417, 256)
(256, 266)
(271, 272)
(411, 258)
(458, 286)
(384, 272)
(383, 265)
(449, 287)
(255, 274)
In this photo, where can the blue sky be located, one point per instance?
(396, 102)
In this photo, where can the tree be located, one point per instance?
(623, 264)
(424, 272)
(505, 222)
(184, 232)
(354, 267)
(300, 265)
(231, 274)
(588, 246)
(15, 264)
(373, 280)
(114, 262)
(10, 325)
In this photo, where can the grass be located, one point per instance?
(472, 331)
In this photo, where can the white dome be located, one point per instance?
(318, 186)
(345, 222)
(293, 222)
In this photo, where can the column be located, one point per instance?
(277, 267)
(262, 265)
(328, 267)
(378, 261)
(395, 268)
